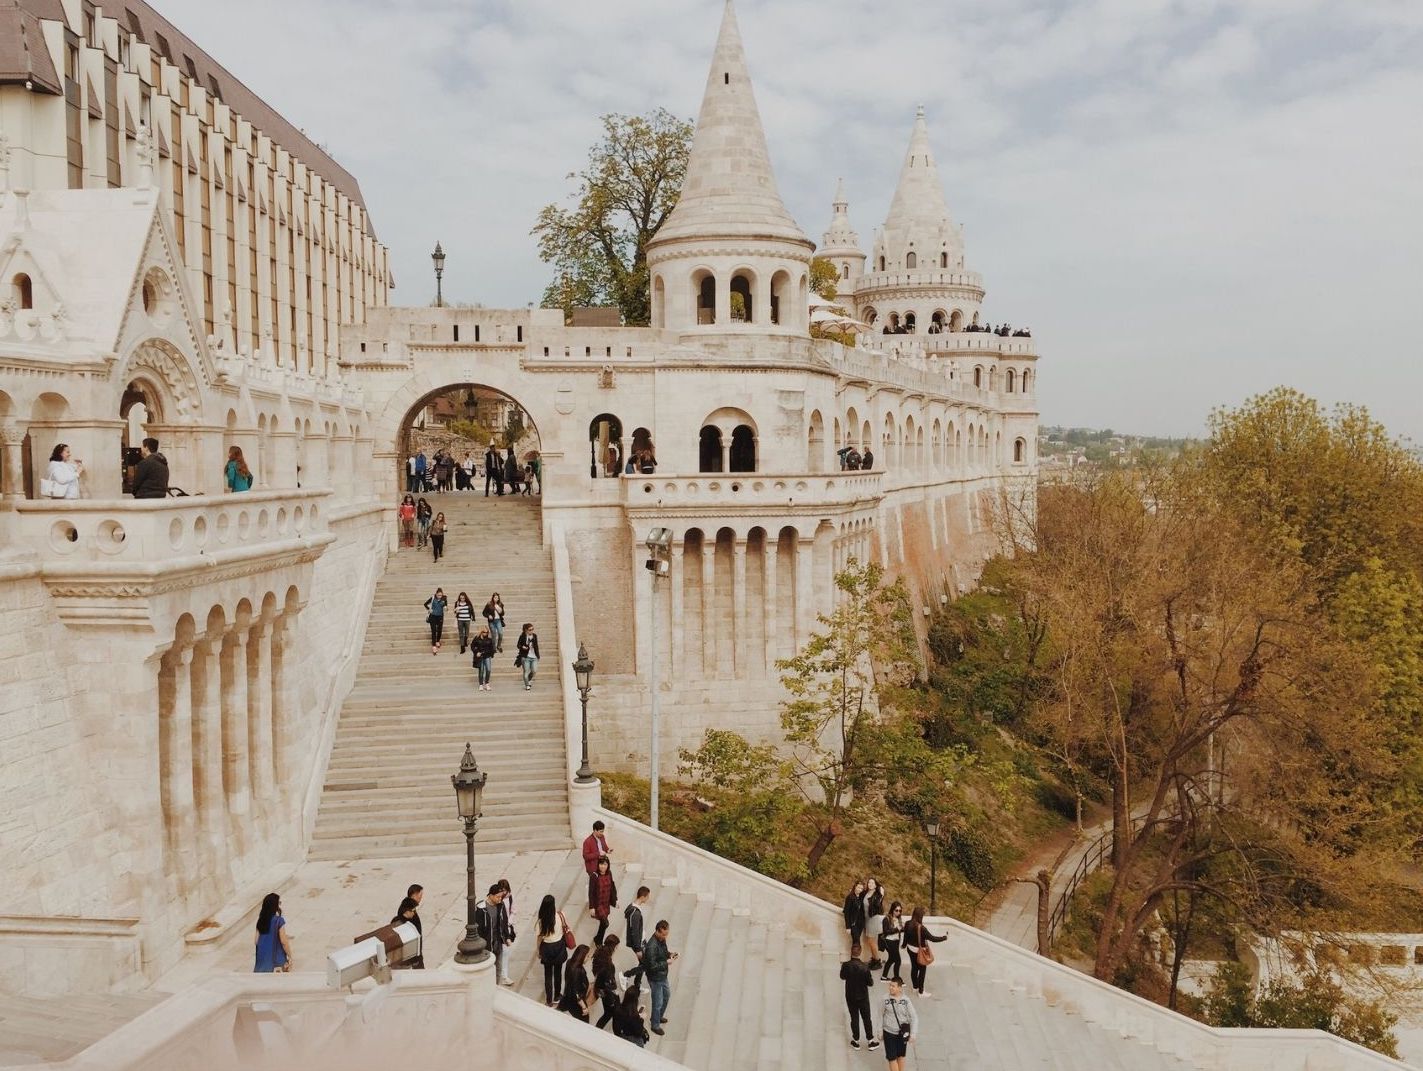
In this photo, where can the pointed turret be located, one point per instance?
(919, 233)
(840, 244)
(730, 257)
(730, 189)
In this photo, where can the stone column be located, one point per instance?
(738, 603)
(343, 479)
(678, 654)
(723, 299)
(284, 714)
(12, 466)
(283, 460)
(235, 746)
(177, 774)
(772, 550)
(259, 716)
(207, 751)
(711, 635)
(725, 454)
(804, 588)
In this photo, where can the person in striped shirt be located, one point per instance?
(464, 614)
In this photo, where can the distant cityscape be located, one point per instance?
(1062, 448)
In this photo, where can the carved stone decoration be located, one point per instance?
(163, 362)
(605, 377)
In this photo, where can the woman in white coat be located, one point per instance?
(63, 474)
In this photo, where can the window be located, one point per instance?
(844, 271)
(23, 291)
(881, 263)
(978, 377)
(519, 332)
(943, 260)
(910, 260)
(1020, 451)
(726, 78)
(457, 332)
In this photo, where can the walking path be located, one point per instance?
(1015, 918)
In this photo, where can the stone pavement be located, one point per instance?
(1016, 916)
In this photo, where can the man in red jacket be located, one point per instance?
(595, 846)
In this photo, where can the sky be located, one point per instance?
(1187, 201)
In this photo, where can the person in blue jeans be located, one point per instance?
(274, 950)
(483, 648)
(494, 614)
(528, 653)
(655, 961)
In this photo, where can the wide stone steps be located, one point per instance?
(43, 1030)
(405, 723)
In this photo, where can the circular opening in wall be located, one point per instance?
(62, 536)
(693, 488)
(175, 533)
(281, 520)
(758, 486)
(200, 531)
(714, 487)
(779, 485)
(647, 488)
(735, 487)
(315, 513)
(111, 537)
(158, 296)
(244, 524)
(224, 526)
(801, 486)
(264, 522)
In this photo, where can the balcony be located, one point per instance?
(714, 493)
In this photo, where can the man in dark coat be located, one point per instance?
(491, 921)
(150, 478)
(493, 471)
(858, 978)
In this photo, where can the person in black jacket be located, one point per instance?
(493, 471)
(854, 912)
(491, 921)
(511, 471)
(602, 897)
(483, 648)
(528, 658)
(858, 979)
(150, 478)
(605, 981)
(575, 986)
(917, 936)
(633, 914)
(627, 1021)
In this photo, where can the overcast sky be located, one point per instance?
(1188, 201)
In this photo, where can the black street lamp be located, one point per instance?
(583, 674)
(931, 826)
(469, 796)
(438, 256)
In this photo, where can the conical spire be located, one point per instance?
(840, 235)
(918, 203)
(729, 190)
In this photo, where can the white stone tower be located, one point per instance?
(730, 257)
(917, 276)
(841, 245)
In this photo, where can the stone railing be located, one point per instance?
(131, 532)
(729, 490)
(1382, 957)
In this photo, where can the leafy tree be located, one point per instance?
(1316, 1002)
(824, 278)
(598, 247)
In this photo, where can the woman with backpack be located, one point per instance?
(435, 618)
(916, 946)
(238, 475)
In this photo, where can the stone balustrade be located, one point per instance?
(131, 532)
(726, 491)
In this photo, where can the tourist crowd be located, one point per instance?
(443, 473)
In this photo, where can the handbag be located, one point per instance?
(569, 940)
(904, 1028)
(51, 488)
(924, 956)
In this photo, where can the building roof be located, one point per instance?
(24, 56)
(730, 190)
(137, 17)
(918, 205)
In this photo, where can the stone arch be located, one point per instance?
(911, 321)
(781, 313)
(1020, 451)
(22, 291)
(890, 442)
(908, 455)
(815, 442)
(173, 376)
(1012, 380)
(978, 376)
(956, 320)
(866, 433)
(743, 285)
(605, 435)
(659, 301)
(852, 427)
(911, 260)
(1027, 381)
(704, 295)
(742, 451)
(870, 315)
(710, 452)
(938, 321)
(804, 304)
(936, 445)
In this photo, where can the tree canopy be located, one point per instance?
(598, 246)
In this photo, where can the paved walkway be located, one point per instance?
(1016, 916)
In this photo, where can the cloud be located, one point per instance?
(1188, 200)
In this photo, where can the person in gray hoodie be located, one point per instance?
(898, 1025)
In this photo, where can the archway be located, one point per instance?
(743, 308)
(709, 449)
(605, 437)
(464, 431)
(743, 449)
(815, 442)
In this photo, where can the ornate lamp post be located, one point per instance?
(469, 796)
(931, 826)
(438, 256)
(583, 674)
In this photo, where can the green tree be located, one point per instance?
(598, 247)
(824, 278)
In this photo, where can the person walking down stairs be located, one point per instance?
(494, 614)
(577, 993)
(657, 960)
(464, 616)
(528, 657)
(438, 528)
(602, 897)
(483, 648)
(435, 618)
(858, 979)
(552, 932)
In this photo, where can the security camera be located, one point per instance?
(373, 955)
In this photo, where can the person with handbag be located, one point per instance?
(916, 946)
(438, 528)
(858, 979)
(424, 514)
(483, 648)
(854, 913)
(577, 993)
(273, 946)
(602, 897)
(889, 936)
(528, 657)
(554, 940)
(63, 478)
(494, 614)
(605, 981)
(898, 1025)
(435, 618)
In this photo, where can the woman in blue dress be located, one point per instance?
(274, 950)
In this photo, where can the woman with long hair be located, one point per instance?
(916, 947)
(602, 896)
(406, 513)
(627, 1023)
(435, 618)
(64, 473)
(854, 914)
(494, 614)
(528, 653)
(424, 513)
(576, 991)
(605, 980)
(273, 946)
(553, 950)
(874, 919)
(437, 535)
(464, 615)
(889, 936)
(482, 647)
(238, 475)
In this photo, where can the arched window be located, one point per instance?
(1027, 382)
(937, 326)
(781, 307)
(956, 320)
(1012, 380)
(844, 270)
(815, 442)
(605, 433)
(871, 316)
(910, 260)
(23, 291)
(1020, 451)
(709, 450)
(743, 449)
(978, 376)
(943, 260)
(742, 308)
(909, 321)
(881, 263)
(659, 303)
(704, 289)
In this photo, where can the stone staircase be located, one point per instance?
(749, 995)
(404, 726)
(40, 1030)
